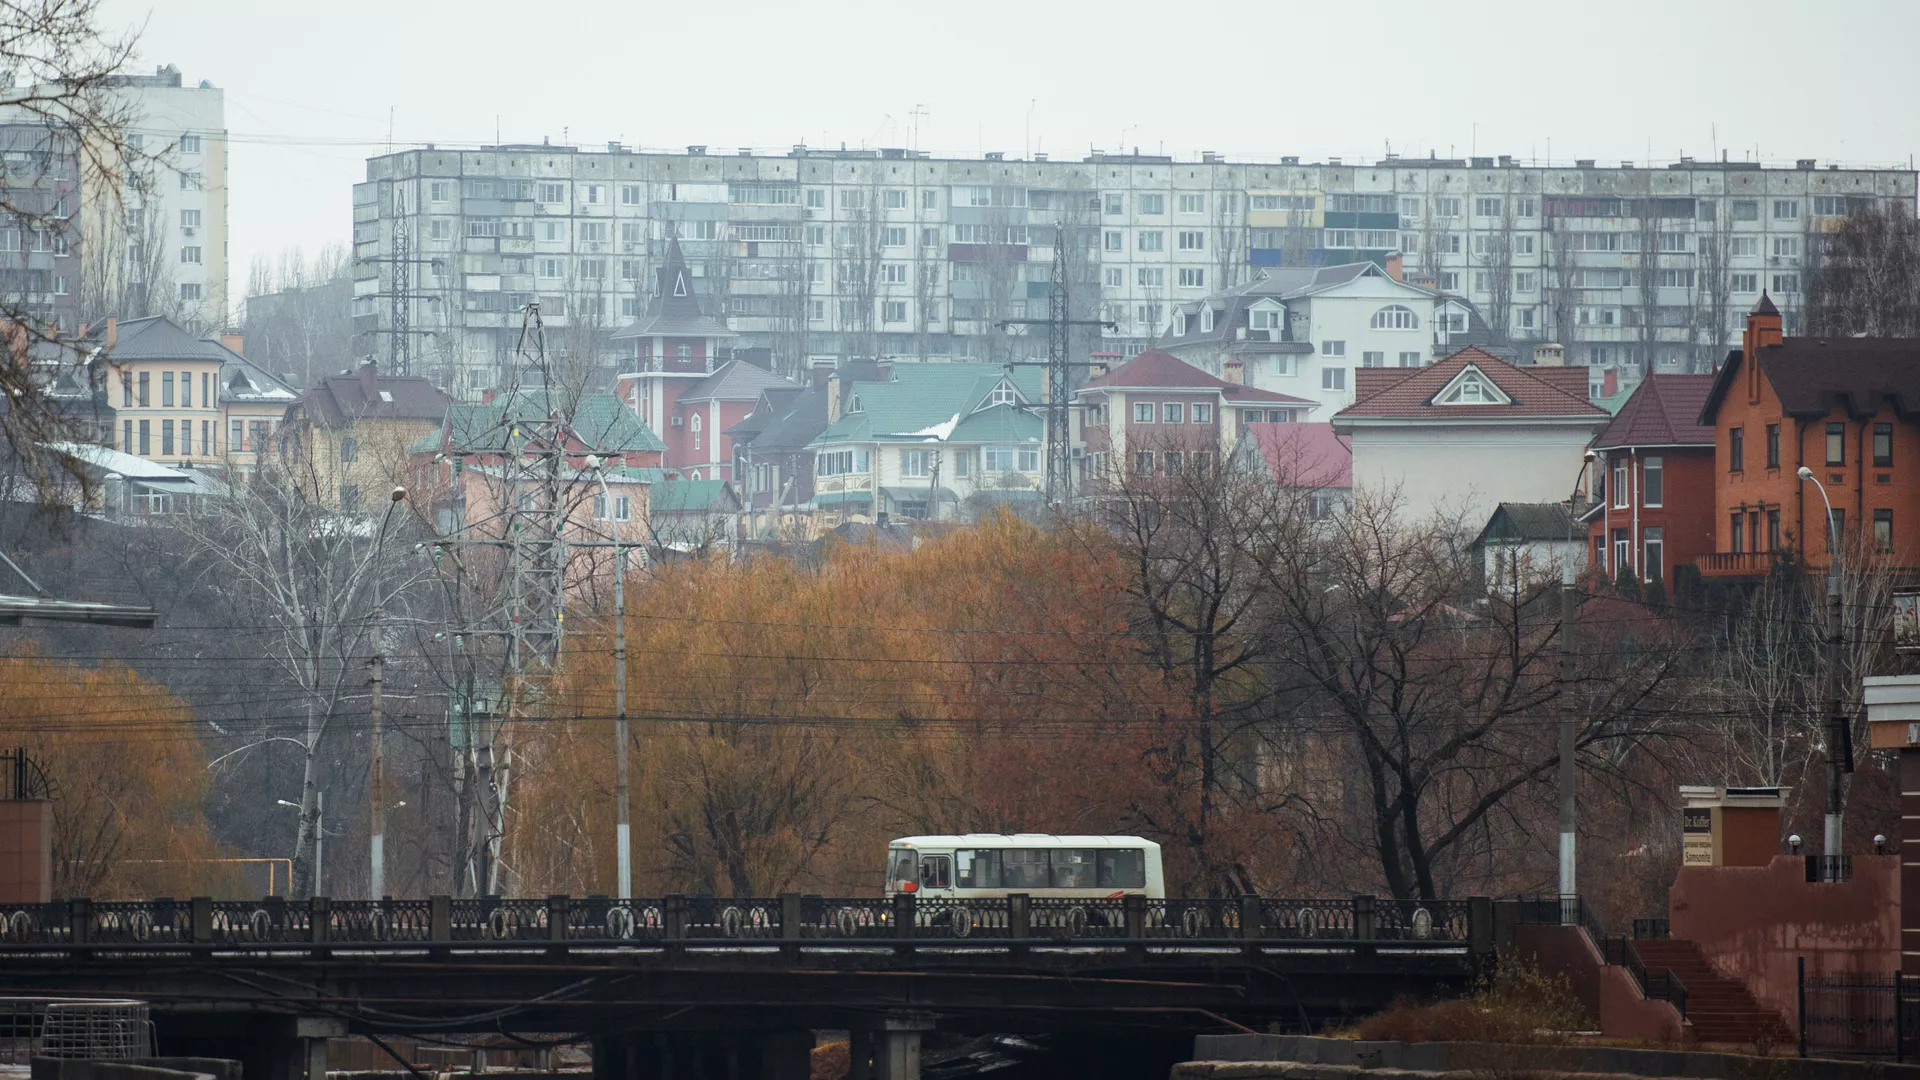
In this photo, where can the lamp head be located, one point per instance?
(1591, 456)
(399, 493)
(1805, 473)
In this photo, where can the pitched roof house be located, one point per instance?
(671, 347)
(1653, 481)
(1157, 414)
(1469, 432)
(698, 444)
(351, 432)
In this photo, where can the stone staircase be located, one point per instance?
(1720, 1009)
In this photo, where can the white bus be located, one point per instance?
(1041, 865)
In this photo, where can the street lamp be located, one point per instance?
(623, 838)
(377, 838)
(1836, 732)
(1569, 722)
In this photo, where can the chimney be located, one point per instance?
(1235, 372)
(1763, 329)
(1396, 266)
(833, 396)
(113, 331)
(1549, 354)
(821, 369)
(886, 369)
(234, 342)
(369, 379)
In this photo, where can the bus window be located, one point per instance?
(1124, 868)
(1073, 868)
(936, 872)
(978, 869)
(1022, 870)
(904, 868)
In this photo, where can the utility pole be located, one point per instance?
(623, 831)
(1057, 322)
(1569, 716)
(1839, 725)
(377, 825)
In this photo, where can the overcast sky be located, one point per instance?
(313, 88)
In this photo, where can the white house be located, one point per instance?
(1303, 330)
(1470, 432)
(1524, 544)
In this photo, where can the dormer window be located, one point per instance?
(1266, 318)
(1395, 317)
(853, 404)
(1180, 325)
(1003, 394)
(1471, 387)
(1206, 320)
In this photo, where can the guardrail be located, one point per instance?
(1618, 949)
(788, 918)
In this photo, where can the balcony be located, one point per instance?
(1724, 564)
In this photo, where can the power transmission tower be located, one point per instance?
(400, 293)
(1058, 364)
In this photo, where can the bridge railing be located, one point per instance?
(703, 920)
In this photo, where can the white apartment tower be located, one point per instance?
(175, 227)
(893, 253)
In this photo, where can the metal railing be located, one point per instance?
(789, 918)
(1829, 868)
(1858, 1014)
(1656, 984)
(100, 1030)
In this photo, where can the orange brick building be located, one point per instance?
(1654, 501)
(1846, 408)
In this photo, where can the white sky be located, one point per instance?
(310, 87)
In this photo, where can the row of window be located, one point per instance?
(1173, 412)
(136, 387)
(1836, 446)
(176, 439)
(923, 464)
(1172, 462)
(1744, 530)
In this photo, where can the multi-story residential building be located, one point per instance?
(1157, 415)
(1836, 406)
(1653, 482)
(349, 437)
(930, 440)
(892, 253)
(252, 400)
(1302, 330)
(1472, 431)
(172, 221)
(163, 385)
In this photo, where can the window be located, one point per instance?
(1786, 209)
(1883, 531)
(1152, 240)
(1784, 284)
(1527, 281)
(963, 463)
(896, 199)
(1773, 446)
(1736, 450)
(893, 273)
(1620, 488)
(166, 438)
(1029, 459)
(998, 459)
(1116, 203)
(917, 463)
(1395, 317)
(1837, 443)
(1333, 348)
(186, 389)
(1192, 240)
(929, 200)
(550, 268)
(1449, 281)
(1114, 277)
(1883, 446)
(1114, 240)
(186, 437)
(1773, 531)
(1333, 378)
(143, 383)
(1142, 412)
(1143, 463)
(1746, 210)
(1839, 527)
(1265, 318)
(1151, 204)
(1148, 315)
(840, 462)
(349, 450)
(236, 439)
(593, 269)
(1653, 563)
(166, 389)
(1193, 204)
(1373, 359)
(895, 236)
(1202, 413)
(146, 438)
(1173, 412)
(1446, 208)
(1622, 549)
(1171, 463)
(1193, 278)
(557, 231)
(440, 229)
(1337, 238)
(1409, 359)
(190, 255)
(1652, 485)
(893, 311)
(593, 232)
(1737, 532)
(1786, 247)
(553, 193)
(1745, 283)
(1739, 246)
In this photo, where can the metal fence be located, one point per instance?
(791, 917)
(103, 1030)
(1859, 1015)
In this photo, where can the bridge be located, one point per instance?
(702, 987)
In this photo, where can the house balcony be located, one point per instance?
(1736, 564)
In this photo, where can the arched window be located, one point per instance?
(696, 431)
(1206, 319)
(1395, 317)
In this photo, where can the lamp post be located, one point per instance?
(1836, 719)
(377, 833)
(623, 839)
(1569, 720)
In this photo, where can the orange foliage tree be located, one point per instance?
(129, 779)
(789, 720)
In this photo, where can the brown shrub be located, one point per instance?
(1519, 1004)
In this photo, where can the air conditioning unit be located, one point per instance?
(677, 421)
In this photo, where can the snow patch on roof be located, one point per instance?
(939, 432)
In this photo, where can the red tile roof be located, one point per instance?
(1407, 393)
(1664, 410)
(1156, 369)
(1305, 455)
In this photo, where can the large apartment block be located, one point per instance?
(894, 253)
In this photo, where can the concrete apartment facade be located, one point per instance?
(890, 252)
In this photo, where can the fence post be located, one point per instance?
(201, 920)
(1250, 916)
(1363, 918)
(1480, 927)
(557, 917)
(1019, 916)
(674, 907)
(318, 910)
(790, 916)
(80, 919)
(440, 918)
(1899, 1020)
(903, 914)
(1800, 992)
(1134, 909)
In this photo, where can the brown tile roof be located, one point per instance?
(1811, 375)
(1407, 393)
(1156, 369)
(1664, 410)
(367, 394)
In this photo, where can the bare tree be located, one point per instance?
(1493, 254)
(1562, 294)
(1647, 282)
(1229, 239)
(1865, 279)
(298, 314)
(1711, 311)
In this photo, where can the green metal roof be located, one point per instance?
(836, 498)
(601, 421)
(689, 496)
(931, 402)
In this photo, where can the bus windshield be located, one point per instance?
(902, 866)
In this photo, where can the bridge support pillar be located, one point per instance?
(268, 1047)
(896, 1047)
